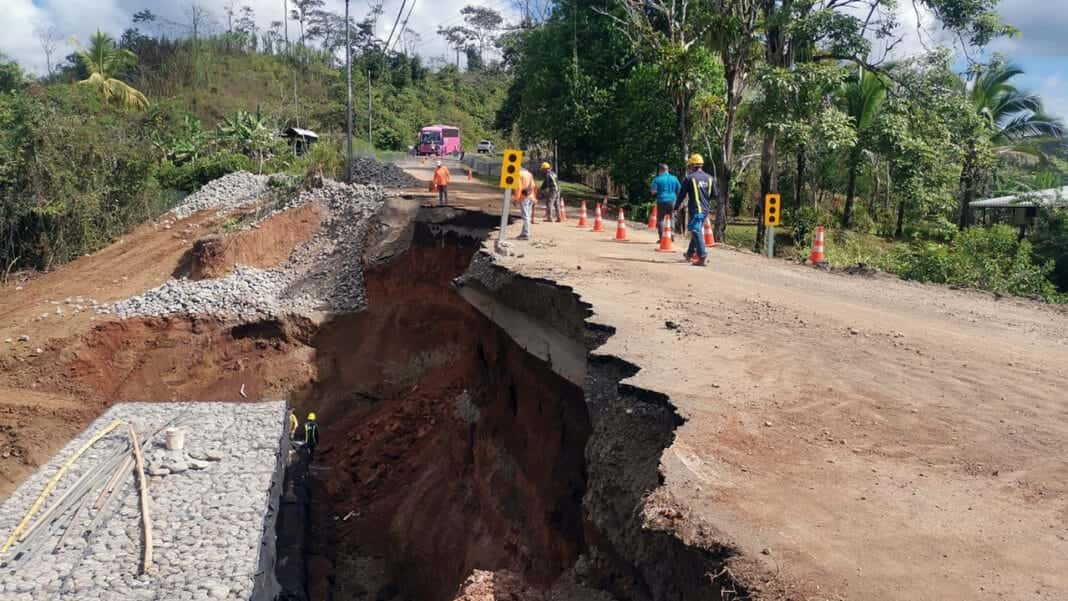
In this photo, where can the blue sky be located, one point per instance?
(1041, 49)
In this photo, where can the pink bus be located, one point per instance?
(439, 140)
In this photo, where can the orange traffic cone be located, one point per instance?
(665, 239)
(817, 248)
(652, 218)
(582, 216)
(621, 227)
(598, 225)
(469, 178)
(563, 210)
(710, 238)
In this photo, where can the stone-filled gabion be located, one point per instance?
(213, 517)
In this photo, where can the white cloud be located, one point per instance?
(81, 19)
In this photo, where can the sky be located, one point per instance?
(1041, 49)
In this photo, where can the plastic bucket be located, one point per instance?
(175, 439)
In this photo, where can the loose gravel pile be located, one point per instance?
(324, 274)
(368, 170)
(232, 191)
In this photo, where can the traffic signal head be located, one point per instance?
(772, 210)
(510, 165)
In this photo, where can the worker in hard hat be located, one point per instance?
(665, 188)
(311, 434)
(440, 182)
(698, 190)
(524, 194)
(550, 193)
(293, 424)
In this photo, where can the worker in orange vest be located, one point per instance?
(525, 195)
(440, 182)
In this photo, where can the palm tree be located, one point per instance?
(1012, 122)
(103, 60)
(863, 100)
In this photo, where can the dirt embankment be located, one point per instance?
(266, 244)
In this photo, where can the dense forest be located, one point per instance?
(799, 97)
(121, 129)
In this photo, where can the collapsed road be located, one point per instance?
(530, 427)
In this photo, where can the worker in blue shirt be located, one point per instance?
(698, 190)
(666, 189)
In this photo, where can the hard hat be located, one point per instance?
(439, 163)
(311, 416)
(546, 166)
(696, 159)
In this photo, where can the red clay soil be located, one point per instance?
(421, 396)
(268, 244)
(501, 585)
(89, 361)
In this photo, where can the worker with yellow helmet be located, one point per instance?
(311, 434)
(698, 190)
(550, 193)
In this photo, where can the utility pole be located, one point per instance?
(348, 101)
(370, 142)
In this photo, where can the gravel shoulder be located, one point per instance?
(851, 439)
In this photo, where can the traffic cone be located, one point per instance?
(582, 216)
(598, 225)
(563, 210)
(652, 218)
(469, 178)
(621, 227)
(817, 248)
(710, 238)
(665, 239)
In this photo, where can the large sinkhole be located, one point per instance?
(446, 447)
(472, 444)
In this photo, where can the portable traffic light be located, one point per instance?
(772, 210)
(510, 165)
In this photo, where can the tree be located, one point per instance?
(457, 37)
(863, 98)
(301, 13)
(735, 37)
(482, 25)
(1003, 119)
(48, 37)
(103, 60)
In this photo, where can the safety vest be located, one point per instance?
(311, 433)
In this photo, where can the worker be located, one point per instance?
(550, 193)
(525, 195)
(440, 182)
(698, 190)
(293, 424)
(311, 434)
(665, 188)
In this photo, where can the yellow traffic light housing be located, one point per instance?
(510, 165)
(772, 210)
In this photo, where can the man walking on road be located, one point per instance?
(550, 193)
(440, 182)
(698, 190)
(666, 189)
(525, 195)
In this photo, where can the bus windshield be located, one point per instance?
(430, 137)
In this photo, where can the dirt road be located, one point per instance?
(857, 438)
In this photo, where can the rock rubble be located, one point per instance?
(231, 191)
(324, 274)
